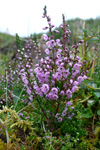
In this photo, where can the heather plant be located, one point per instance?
(58, 75)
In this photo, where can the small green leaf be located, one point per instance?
(98, 112)
(97, 94)
(90, 102)
(86, 113)
(94, 85)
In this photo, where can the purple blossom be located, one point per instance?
(45, 28)
(65, 58)
(20, 114)
(71, 81)
(74, 88)
(45, 37)
(75, 83)
(52, 82)
(58, 62)
(64, 113)
(66, 73)
(69, 94)
(62, 93)
(74, 73)
(70, 117)
(61, 69)
(85, 77)
(68, 103)
(59, 119)
(80, 79)
(77, 57)
(72, 107)
(42, 60)
(38, 69)
(54, 90)
(51, 43)
(59, 50)
(62, 64)
(77, 66)
(58, 76)
(70, 64)
(58, 42)
(56, 31)
(24, 80)
(56, 116)
(31, 97)
(49, 95)
(47, 51)
(59, 56)
(28, 91)
(55, 97)
(45, 88)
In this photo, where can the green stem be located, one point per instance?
(7, 135)
(18, 98)
(6, 90)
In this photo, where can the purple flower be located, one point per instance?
(45, 88)
(68, 103)
(64, 113)
(70, 117)
(49, 95)
(59, 50)
(85, 77)
(59, 119)
(58, 76)
(56, 31)
(75, 83)
(80, 79)
(65, 58)
(66, 73)
(59, 56)
(74, 88)
(77, 66)
(25, 80)
(72, 107)
(38, 69)
(42, 60)
(45, 37)
(71, 81)
(31, 97)
(52, 82)
(58, 42)
(69, 94)
(66, 32)
(55, 97)
(56, 116)
(45, 28)
(75, 73)
(20, 114)
(77, 57)
(28, 91)
(62, 64)
(62, 93)
(54, 90)
(58, 61)
(47, 51)
(70, 64)
(61, 69)
(51, 43)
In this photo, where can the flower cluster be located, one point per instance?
(61, 72)
(67, 112)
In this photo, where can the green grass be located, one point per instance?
(6, 39)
